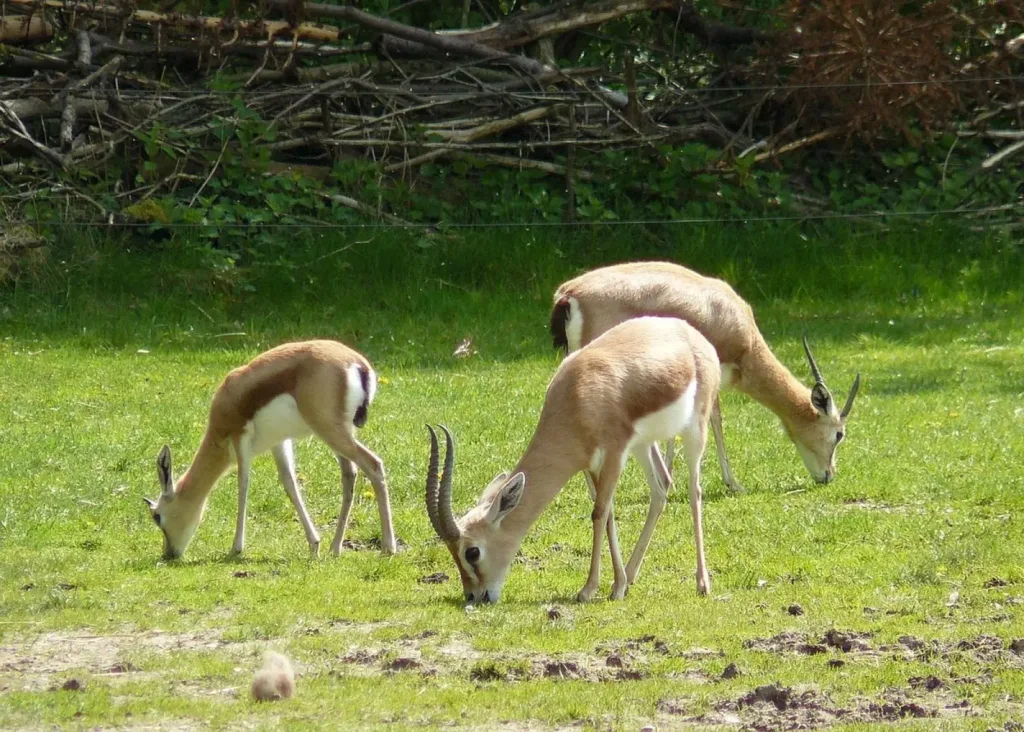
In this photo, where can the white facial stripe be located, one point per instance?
(469, 569)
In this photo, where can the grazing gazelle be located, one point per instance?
(644, 380)
(592, 303)
(286, 393)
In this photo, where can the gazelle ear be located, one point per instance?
(821, 398)
(163, 471)
(496, 480)
(507, 499)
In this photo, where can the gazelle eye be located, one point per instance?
(839, 437)
(156, 518)
(472, 554)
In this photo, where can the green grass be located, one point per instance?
(105, 356)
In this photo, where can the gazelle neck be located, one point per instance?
(547, 471)
(209, 464)
(766, 379)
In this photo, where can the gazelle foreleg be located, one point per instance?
(723, 460)
(284, 456)
(694, 442)
(670, 454)
(600, 517)
(618, 592)
(243, 456)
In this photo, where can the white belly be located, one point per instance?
(669, 421)
(277, 421)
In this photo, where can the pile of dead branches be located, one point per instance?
(83, 85)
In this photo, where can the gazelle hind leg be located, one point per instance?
(345, 445)
(723, 460)
(373, 469)
(604, 491)
(243, 455)
(348, 482)
(284, 456)
(659, 481)
(694, 442)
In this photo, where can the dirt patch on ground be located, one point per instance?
(775, 707)
(42, 661)
(788, 642)
(982, 649)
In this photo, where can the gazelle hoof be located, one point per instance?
(585, 595)
(619, 592)
(314, 550)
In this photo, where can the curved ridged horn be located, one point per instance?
(444, 495)
(814, 366)
(849, 400)
(439, 507)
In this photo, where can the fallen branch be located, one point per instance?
(364, 208)
(259, 28)
(716, 35)
(17, 128)
(18, 29)
(446, 44)
(797, 144)
(473, 134)
(507, 161)
(29, 109)
(1006, 152)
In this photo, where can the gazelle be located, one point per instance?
(644, 380)
(286, 393)
(590, 304)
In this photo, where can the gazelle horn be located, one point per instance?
(439, 493)
(849, 399)
(814, 366)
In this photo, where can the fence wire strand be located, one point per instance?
(442, 226)
(476, 92)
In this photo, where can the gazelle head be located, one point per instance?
(482, 551)
(816, 440)
(177, 518)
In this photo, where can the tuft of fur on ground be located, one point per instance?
(275, 680)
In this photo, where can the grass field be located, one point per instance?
(908, 570)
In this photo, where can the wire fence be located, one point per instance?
(440, 226)
(473, 91)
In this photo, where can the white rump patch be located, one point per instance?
(667, 422)
(354, 391)
(372, 382)
(277, 421)
(574, 325)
